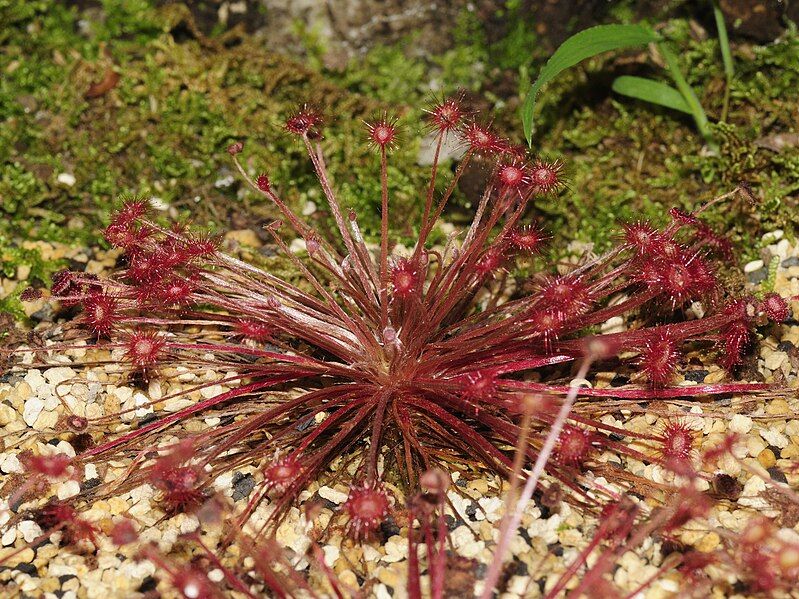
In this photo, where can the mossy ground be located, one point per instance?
(182, 97)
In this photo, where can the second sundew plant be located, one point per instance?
(389, 366)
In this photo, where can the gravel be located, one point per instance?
(30, 412)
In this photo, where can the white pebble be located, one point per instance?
(464, 541)
(753, 266)
(370, 554)
(297, 246)
(159, 203)
(775, 438)
(216, 575)
(396, 550)
(222, 182)
(154, 390)
(68, 489)
(29, 530)
(9, 537)
(35, 379)
(50, 403)
(56, 569)
(56, 376)
(33, 407)
(740, 424)
(698, 309)
(546, 529)
(186, 377)
(189, 524)
(175, 404)
(492, 506)
(332, 495)
(9, 463)
(65, 448)
(123, 394)
(90, 471)
(331, 554)
(141, 401)
(750, 496)
(773, 236)
(783, 248)
(67, 179)
(775, 360)
(613, 325)
(212, 391)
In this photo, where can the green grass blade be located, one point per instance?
(724, 41)
(582, 45)
(700, 118)
(651, 91)
(726, 57)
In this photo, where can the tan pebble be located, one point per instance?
(479, 485)
(775, 360)
(31, 308)
(244, 237)
(94, 267)
(348, 579)
(117, 505)
(740, 424)
(23, 272)
(755, 445)
(388, 577)
(49, 585)
(792, 450)
(46, 421)
(708, 543)
(7, 414)
(570, 537)
(111, 404)
(93, 411)
(766, 458)
(46, 552)
(353, 554)
(691, 537)
(21, 392)
(715, 377)
(15, 426)
(778, 407)
(716, 426)
(23, 557)
(729, 465)
(486, 530)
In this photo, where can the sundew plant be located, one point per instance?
(385, 369)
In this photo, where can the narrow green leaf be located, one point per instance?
(688, 94)
(651, 91)
(582, 45)
(726, 56)
(724, 41)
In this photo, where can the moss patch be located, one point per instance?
(182, 97)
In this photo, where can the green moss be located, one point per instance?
(632, 160)
(16, 260)
(162, 131)
(180, 100)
